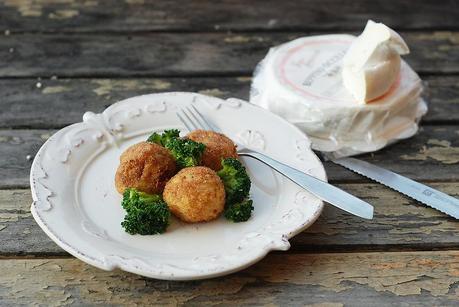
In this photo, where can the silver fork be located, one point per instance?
(193, 119)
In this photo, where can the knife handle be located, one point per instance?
(317, 187)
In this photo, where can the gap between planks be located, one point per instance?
(301, 250)
(293, 251)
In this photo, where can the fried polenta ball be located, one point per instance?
(195, 194)
(146, 167)
(218, 147)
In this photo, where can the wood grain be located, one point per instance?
(399, 223)
(362, 279)
(442, 95)
(17, 224)
(88, 16)
(18, 148)
(431, 155)
(61, 102)
(58, 103)
(181, 54)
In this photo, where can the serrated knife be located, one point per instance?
(418, 191)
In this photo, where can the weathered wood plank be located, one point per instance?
(399, 223)
(431, 155)
(442, 95)
(82, 16)
(179, 54)
(17, 150)
(17, 224)
(362, 279)
(57, 103)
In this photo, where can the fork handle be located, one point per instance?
(317, 187)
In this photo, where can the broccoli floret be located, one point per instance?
(239, 212)
(186, 152)
(145, 214)
(235, 179)
(237, 187)
(163, 138)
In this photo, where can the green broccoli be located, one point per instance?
(165, 137)
(239, 212)
(235, 179)
(145, 214)
(186, 152)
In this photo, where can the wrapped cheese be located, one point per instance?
(302, 81)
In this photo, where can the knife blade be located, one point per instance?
(418, 191)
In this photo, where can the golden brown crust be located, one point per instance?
(195, 194)
(146, 167)
(218, 147)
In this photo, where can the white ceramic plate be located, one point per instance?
(76, 204)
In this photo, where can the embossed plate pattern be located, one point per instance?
(76, 204)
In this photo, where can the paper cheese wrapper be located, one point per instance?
(301, 81)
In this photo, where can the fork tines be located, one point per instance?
(193, 119)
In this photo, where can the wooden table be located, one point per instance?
(59, 59)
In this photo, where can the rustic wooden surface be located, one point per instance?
(24, 105)
(332, 279)
(181, 54)
(269, 15)
(59, 59)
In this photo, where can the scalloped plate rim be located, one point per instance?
(255, 257)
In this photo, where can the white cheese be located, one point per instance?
(302, 81)
(372, 63)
